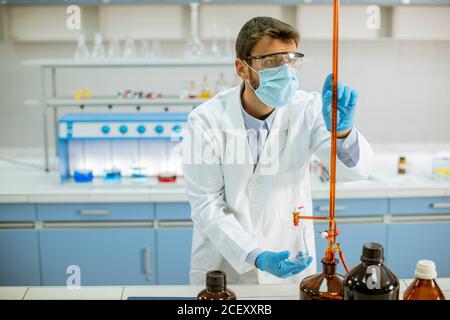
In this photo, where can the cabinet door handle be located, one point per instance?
(94, 212)
(336, 208)
(441, 205)
(147, 261)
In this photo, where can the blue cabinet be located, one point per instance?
(413, 206)
(109, 256)
(19, 257)
(17, 212)
(352, 207)
(413, 241)
(353, 236)
(173, 245)
(173, 211)
(95, 212)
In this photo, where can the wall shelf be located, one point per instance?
(166, 62)
(122, 102)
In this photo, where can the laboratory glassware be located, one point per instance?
(401, 167)
(129, 49)
(441, 167)
(156, 49)
(327, 285)
(194, 48)
(82, 52)
(216, 287)
(114, 48)
(205, 91)
(144, 50)
(298, 247)
(424, 286)
(221, 84)
(98, 52)
(371, 279)
(330, 283)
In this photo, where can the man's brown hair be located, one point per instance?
(256, 28)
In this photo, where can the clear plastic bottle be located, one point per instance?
(371, 279)
(216, 287)
(82, 52)
(424, 286)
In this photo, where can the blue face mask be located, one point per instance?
(277, 86)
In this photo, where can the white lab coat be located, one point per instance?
(236, 209)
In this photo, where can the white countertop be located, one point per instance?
(247, 292)
(30, 184)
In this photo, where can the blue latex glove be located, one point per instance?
(277, 264)
(347, 98)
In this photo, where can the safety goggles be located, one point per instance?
(276, 59)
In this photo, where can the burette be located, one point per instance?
(332, 232)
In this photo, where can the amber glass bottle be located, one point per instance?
(371, 279)
(327, 285)
(216, 287)
(424, 287)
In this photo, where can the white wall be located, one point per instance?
(403, 85)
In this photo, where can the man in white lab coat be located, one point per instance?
(246, 161)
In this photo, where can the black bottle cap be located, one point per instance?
(372, 252)
(216, 280)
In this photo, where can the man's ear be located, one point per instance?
(241, 69)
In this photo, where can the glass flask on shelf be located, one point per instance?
(371, 279)
(144, 49)
(216, 287)
(156, 49)
(194, 47)
(98, 52)
(205, 91)
(327, 285)
(424, 286)
(129, 49)
(221, 84)
(114, 48)
(81, 52)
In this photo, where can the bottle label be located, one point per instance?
(374, 280)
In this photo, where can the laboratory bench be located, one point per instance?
(128, 234)
(243, 292)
